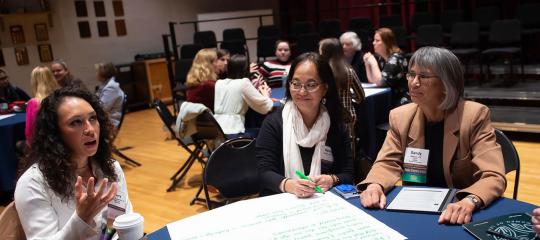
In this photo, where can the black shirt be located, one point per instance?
(434, 135)
(270, 154)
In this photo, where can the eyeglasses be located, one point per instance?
(311, 86)
(421, 77)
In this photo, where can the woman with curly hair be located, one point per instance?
(43, 83)
(70, 158)
(201, 78)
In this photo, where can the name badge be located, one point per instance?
(117, 206)
(326, 155)
(415, 165)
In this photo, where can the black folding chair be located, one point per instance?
(193, 145)
(232, 170)
(505, 39)
(207, 39)
(330, 28)
(188, 51)
(114, 149)
(511, 157)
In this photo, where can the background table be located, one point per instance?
(370, 113)
(417, 225)
(11, 131)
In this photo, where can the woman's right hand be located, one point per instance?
(253, 67)
(90, 203)
(369, 58)
(264, 89)
(373, 196)
(300, 187)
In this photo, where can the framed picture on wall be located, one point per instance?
(41, 32)
(21, 55)
(17, 34)
(2, 62)
(45, 53)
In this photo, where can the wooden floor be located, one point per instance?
(147, 184)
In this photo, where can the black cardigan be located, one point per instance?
(270, 154)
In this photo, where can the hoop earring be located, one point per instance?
(323, 101)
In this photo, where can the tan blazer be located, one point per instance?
(472, 160)
(10, 225)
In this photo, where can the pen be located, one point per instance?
(498, 234)
(302, 176)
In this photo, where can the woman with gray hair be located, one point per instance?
(352, 49)
(454, 137)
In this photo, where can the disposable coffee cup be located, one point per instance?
(129, 226)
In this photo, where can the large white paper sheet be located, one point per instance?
(419, 199)
(6, 116)
(284, 216)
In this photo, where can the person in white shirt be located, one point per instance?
(71, 188)
(109, 92)
(234, 94)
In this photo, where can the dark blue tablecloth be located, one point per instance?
(419, 226)
(11, 131)
(372, 112)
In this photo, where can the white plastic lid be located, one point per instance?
(127, 220)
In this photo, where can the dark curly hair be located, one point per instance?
(50, 152)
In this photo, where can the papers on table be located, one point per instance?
(369, 85)
(433, 200)
(373, 91)
(6, 116)
(284, 216)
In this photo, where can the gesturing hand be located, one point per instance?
(373, 196)
(368, 58)
(458, 212)
(253, 67)
(536, 220)
(90, 203)
(264, 89)
(324, 181)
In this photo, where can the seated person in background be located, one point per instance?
(463, 153)
(109, 92)
(8, 92)
(233, 95)
(390, 66)
(346, 80)
(273, 71)
(352, 49)
(223, 58)
(70, 183)
(536, 221)
(64, 76)
(307, 135)
(43, 84)
(201, 78)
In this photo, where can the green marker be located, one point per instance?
(302, 176)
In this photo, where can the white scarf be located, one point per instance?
(296, 133)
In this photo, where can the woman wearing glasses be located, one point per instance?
(462, 153)
(307, 135)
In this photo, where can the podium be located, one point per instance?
(144, 81)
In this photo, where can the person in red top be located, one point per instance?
(43, 84)
(201, 78)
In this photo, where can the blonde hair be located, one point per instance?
(43, 82)
(202, 69)
(389, 39)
